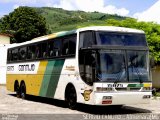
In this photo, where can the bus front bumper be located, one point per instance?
(125, 98)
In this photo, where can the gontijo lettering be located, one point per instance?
(26, 67)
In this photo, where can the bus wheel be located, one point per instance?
(23, 91)
(71, 97)
(17, 90)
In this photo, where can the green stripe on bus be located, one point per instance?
(57, 68)
(135, 85)
(46, 78)
(51, 78)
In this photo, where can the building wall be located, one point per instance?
(3, 58)
(4, 42)
(4, 39)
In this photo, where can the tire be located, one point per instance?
(71, 97)
(17, 90)
(23, 91)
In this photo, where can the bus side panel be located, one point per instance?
(32, 81)
(51, 78)
(10, 82)
(70, 74)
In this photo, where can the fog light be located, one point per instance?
(146, 96)
(107, 97)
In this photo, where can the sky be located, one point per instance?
(143, 10)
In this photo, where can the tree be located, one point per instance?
(24, 23)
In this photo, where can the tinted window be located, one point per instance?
(38, 53)
(65, 47)
(31, 52)
(22, 53)
(120, 39)
(15, 54)
(54, 48)
(86, 39)
(69, 45)
(57, 47)
(9, 57)
(44, 50)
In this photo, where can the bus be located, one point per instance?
(97, 65)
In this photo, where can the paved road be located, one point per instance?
(43, 108)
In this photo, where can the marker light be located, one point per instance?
(146, 89)
(100, 89)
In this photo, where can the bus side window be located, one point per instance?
(9, 57)
(86, 39)
(54, 47)
(44, 50)
(57, 47)
(31, 52)
(69, 45)
(22, 53)
(65, 47)
(38, 51)
(15, 54)
(72, 45)
(50, 49)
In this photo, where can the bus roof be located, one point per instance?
(94, 28)
(111, 29)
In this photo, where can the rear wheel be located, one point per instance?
(71, 97)
(17, 90)
(23, 91)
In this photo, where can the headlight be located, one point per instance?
(146, 96)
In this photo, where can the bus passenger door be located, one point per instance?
(87, 67)
(90, 72)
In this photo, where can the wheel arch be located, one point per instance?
(16, 83)
(68, 86)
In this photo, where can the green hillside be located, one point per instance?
(59, 20)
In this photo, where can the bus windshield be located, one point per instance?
(120, 39)
(113, 66)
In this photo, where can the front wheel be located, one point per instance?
(71, 97)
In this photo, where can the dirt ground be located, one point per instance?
(10, 104)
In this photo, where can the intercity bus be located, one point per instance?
(99, 65)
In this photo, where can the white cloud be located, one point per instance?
(17, 1)
(27, 1)
(151, 14)
(90, 6)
